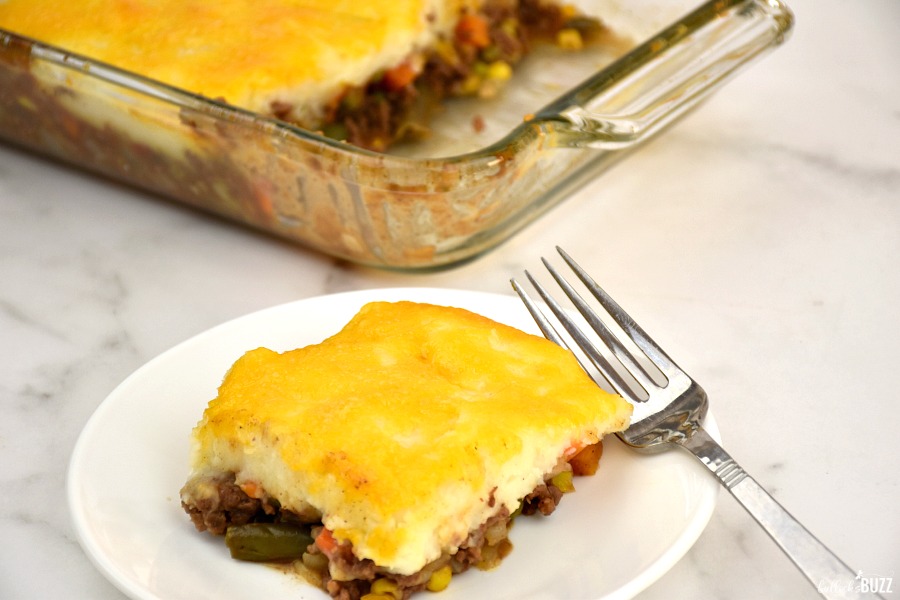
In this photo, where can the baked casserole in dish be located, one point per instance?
(353, 184)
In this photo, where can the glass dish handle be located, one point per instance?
(666, 76)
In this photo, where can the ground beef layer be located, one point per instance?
(335, 568)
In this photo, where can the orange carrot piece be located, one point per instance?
(473, 30)
(399, 77)
(326, 542)
(587, 459)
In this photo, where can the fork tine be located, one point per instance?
(644, 379)
(606, 370)
(643, 341)
(542, 321)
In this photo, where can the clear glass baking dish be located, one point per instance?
(436, 203)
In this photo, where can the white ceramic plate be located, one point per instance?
(616, 535)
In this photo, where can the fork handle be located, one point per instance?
(832, 578)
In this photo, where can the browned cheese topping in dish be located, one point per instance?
(364, 72)
(396, 453)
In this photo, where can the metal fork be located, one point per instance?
(669, 413)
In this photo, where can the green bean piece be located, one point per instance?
(262, 542)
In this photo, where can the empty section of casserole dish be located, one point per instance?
(397, 451)
(366, 72)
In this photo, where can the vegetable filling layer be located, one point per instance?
(476, 61)
(257, 528)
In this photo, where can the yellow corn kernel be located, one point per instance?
(26, 103)
(510, 27)
(563, 481)
(371, 596)
(447, 52)
(569, 39)
(569, 11)
(440, 579)
(385, 588)
(499, 70)
(470, 85)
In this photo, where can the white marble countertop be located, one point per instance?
(783, 300)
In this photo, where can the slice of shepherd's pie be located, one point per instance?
(396, 452)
